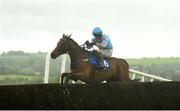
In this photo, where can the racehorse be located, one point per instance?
(82, 70)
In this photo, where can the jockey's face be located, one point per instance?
(98, 37)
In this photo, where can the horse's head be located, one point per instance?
(62, 46)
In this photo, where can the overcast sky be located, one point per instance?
(137, 28)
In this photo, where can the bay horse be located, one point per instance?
(82, 70)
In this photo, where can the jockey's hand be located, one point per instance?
(89, 45)
(87, 42)
(92, 43)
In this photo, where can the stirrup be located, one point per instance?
(100, 66)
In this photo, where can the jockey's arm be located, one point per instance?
(103, 44)
(93, 40)
(90, 44)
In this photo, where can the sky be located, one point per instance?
(137, 28)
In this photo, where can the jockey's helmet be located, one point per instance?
(97, 32)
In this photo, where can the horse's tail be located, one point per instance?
(125, 62)
(122, 60)
(122, 68)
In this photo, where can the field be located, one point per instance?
(28, 68)
(155, 61)
(13, 79)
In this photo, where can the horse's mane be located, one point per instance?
(68, 37)
(72, 40)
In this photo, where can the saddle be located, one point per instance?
(99, 63)
(95, 60)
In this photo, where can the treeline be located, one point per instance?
(20, 53)
(21, 63)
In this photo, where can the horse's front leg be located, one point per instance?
(66, 77)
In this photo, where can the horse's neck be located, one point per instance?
(76, 53)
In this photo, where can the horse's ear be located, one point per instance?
(69, 35)
(63, 34)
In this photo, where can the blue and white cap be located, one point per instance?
(97, 31)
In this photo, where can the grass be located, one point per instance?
(12, 79)
(19, 79)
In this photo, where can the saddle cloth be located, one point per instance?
(93, 59)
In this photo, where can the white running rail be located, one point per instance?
(143, 75)
(133, 73)
(47, 65)
(63, 66)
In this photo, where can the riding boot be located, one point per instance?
(100, 61)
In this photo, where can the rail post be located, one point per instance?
(47, 64)
(146, 75)
(63, 66)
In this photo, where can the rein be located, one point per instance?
(80, 61)
(84, 46)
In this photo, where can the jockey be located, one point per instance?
(102, 41)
